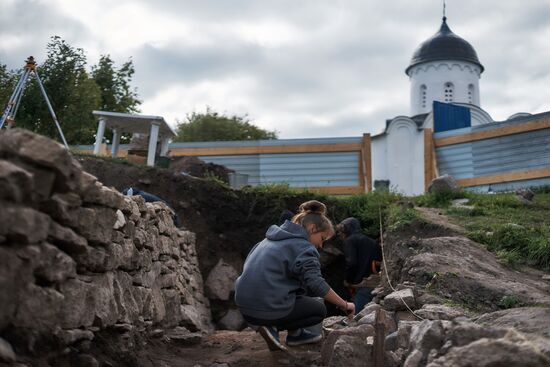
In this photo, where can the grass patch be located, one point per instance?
(368, 207)
(118, 160)
(507, 302)
(400, 216)
(439, 200)
(518, 234)
(465, 212)
(275, 188)
(212, 177)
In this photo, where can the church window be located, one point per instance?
(423, 90)
(449, 92)
(471, 91)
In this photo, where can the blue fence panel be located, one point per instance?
(295, 169)
(450, 117)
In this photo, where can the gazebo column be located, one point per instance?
(164, 146)
(99, 135)
(116, 143)
(153, 137)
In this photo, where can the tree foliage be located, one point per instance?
(7, 83)
(114, 85)
(212, 126)
(73, 92)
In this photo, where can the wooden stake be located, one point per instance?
(378, 350)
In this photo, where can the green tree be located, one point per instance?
(73, 92)
(7, 84)
(116, 92)
(212, 126)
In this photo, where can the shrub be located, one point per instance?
(511, 258)
(491, 202)
(509, 302)
(272, 188)
(368, 207)
(399, 216)
(538, 248)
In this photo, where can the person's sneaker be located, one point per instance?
(271, 337)
(305, 337)
(256, 328)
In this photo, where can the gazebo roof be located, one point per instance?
(134, 123)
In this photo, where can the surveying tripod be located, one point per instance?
(15, 99)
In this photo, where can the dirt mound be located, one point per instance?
(533, 320)
(458, 270)
(199, 168)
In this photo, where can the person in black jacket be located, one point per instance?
(362, 256)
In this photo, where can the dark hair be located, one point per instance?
(313, 212)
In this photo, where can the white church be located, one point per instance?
(444, 68)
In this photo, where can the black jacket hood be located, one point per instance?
(350, 225)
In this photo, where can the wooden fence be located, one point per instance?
(496, 154)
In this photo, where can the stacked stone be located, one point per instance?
(77, 257)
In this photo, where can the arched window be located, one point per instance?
(471, 95)
(423, 90)
(449, 92)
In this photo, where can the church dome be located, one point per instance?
(444, 45)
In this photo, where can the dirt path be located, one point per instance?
(236, 349)
(436, 216)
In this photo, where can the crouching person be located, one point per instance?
(363, 258)
(279, 272)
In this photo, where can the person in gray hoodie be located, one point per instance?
(282, 274)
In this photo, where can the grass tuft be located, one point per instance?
(518, 234)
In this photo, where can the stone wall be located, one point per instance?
(78, 258)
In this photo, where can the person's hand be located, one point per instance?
(350, 310)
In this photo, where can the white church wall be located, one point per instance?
(479, 115)
(379, 160)
(463, 77)
(405, 156)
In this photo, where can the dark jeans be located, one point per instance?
(361, 298)
(307, 311)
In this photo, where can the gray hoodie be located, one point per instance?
(283, 264)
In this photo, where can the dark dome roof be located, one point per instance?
(444, 45)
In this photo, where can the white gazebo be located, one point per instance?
(155, 126)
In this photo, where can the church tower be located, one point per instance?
(443, 68)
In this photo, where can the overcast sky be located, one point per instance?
(306, 68)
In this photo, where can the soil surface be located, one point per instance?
(237, 349)
(220, 348)
(436, 216)
(435, 255)
(198, 168)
